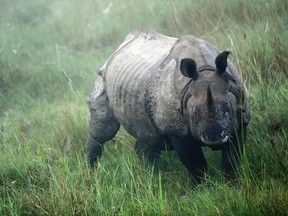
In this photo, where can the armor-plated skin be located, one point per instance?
(168, 94)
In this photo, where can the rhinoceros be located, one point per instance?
(170, 94)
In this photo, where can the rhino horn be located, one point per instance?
(209, 98)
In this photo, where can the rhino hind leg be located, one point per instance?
(103, 126)
(149, 151)
(95, 144)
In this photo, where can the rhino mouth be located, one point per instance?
(217, 142)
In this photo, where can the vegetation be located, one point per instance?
(49, 53)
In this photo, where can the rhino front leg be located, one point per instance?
(149, 150)
(231, 155)
(191, 155)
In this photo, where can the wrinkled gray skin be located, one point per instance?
(169, 94)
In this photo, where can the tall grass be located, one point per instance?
(49, 53)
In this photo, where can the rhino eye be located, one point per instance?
(227, 112)
(225, 107)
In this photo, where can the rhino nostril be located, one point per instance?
(204, 138)
(224, 136)
(225, 139)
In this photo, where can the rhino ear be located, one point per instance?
(221, 62)
(221, 65)
(188, 68)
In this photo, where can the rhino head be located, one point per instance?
(208, 106)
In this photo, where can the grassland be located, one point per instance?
(49, 53)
